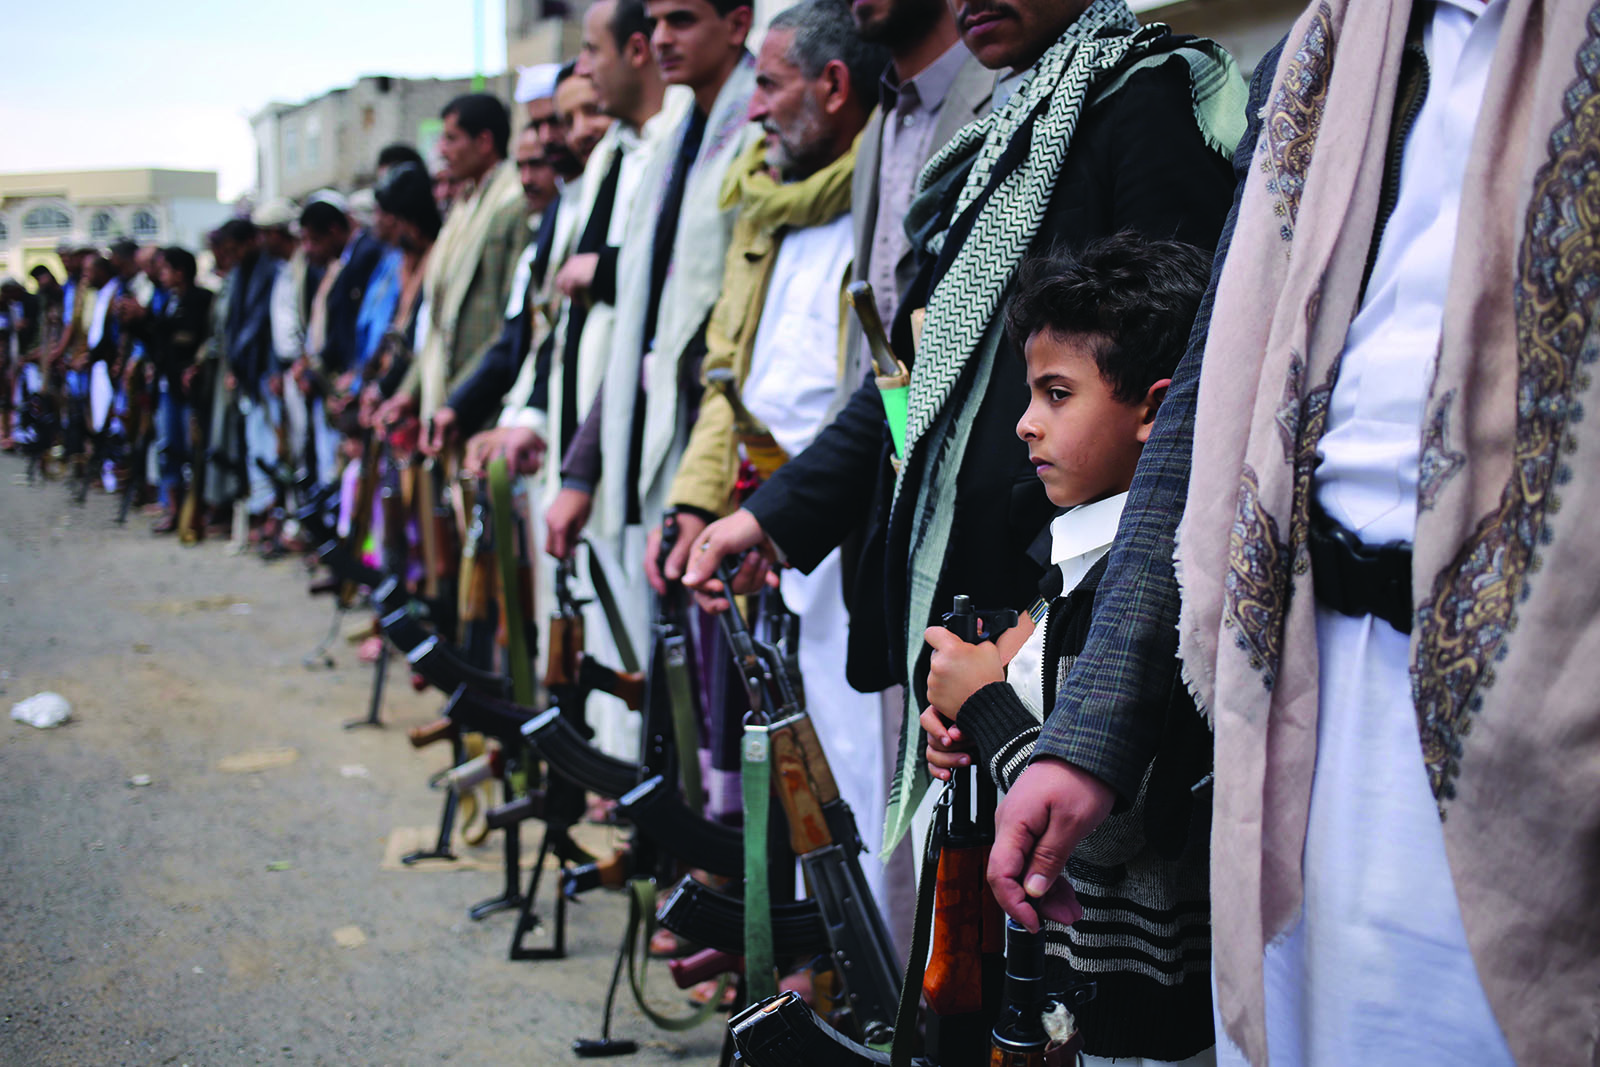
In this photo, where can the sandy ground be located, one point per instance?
(192, 920)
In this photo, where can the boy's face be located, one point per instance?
(1083, 442)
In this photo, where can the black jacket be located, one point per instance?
(1137, 162)
(344, 303)
(173, 336)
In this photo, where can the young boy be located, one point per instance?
(1101, 332)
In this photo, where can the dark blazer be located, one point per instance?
(248, 341)
(1137, 162)
(344, 303)
(174, 335)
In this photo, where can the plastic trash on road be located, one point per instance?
(43, 710)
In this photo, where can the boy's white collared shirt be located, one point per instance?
(1079, 539)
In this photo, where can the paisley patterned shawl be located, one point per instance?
(1506, 636)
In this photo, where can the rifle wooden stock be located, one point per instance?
(572, 757)
(783, 1031)
(626, 686)
(361, 519)
(528, 806)
(432, 733)
(610, 873)
(658, 810)
(716, 920)
(566, 650)
(702, 966)
(802, 807)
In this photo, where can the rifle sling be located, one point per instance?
(685, 719)
(505, 548)
(608, 604)
(756, 782)
(641, 927)
(905, 1023)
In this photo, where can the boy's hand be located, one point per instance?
(958, 669)
(947, 748)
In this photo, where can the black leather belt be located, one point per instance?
(1358, 579)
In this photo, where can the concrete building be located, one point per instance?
(542, 31)
(39, 211)
(333, 141)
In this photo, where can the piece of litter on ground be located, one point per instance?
(349, 937)
(43, 710)
(139, 779)
(354, 770)
(257, 760)
(142, 648)
(280, 865)
(97, 846)
(199, 970)
(238, 609)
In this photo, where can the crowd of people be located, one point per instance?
(1266, 398)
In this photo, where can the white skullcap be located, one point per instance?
(330, 196)
(537, 82)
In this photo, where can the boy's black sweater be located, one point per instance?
(1142, 877)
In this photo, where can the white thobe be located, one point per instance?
(791, 387)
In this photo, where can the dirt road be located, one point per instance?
(193, 920)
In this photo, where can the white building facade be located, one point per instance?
(41, 210)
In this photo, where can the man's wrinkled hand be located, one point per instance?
(442, 430)
(689, 527)
(577, 274)
(1051, 807)
(564, 521)
(734, 535)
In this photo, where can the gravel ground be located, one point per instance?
(192, 920)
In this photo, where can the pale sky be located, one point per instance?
(92, 84)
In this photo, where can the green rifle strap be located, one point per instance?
(685, 719)
(642, 927)
(505, 550)
(613, 614)
(756, 781)
(905, 1020)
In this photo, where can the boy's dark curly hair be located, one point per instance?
(1137, 297)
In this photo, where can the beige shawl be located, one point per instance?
(1506, 640)
(452, 266)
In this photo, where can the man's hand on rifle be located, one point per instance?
(442, 431)
(564, 521)
(735, 535)
(396, 409)
(371, 400)
(1051, 807)
(690, 526)
(577, 274)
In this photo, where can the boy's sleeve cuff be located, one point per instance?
(1002, 727)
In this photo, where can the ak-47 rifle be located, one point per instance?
(822, 833)
(568, 667)
(964, 969)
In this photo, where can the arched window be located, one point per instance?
(100, 225)
(46, 220)
(145, 224)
